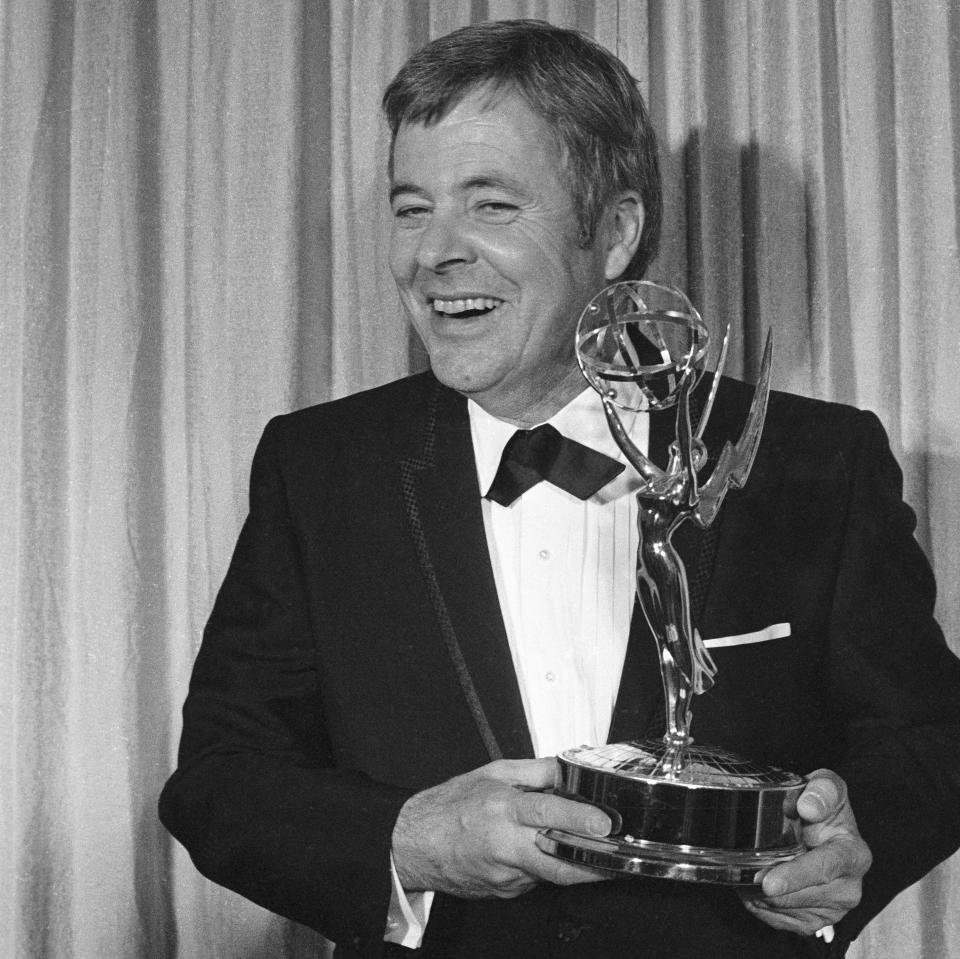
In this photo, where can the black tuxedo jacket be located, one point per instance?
(356, 654)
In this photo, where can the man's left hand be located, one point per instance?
(823, 884)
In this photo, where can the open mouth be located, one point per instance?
(465, 308)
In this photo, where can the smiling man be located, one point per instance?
(487, 255)
(411, 627)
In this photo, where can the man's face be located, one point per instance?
(485, 255)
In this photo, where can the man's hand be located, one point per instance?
(473, 836)
(823, 884)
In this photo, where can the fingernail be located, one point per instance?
(817, 800)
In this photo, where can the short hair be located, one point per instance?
(584, 93)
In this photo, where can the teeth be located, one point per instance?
(463, 306)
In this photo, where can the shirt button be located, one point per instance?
(544, 554)
(550, 677)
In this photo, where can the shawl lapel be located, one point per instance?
(442, 503)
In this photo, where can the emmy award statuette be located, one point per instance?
(680, 810)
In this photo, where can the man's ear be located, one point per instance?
(624, 226)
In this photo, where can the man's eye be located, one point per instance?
(410, 213)
(497, 210)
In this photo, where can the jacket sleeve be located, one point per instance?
(894, 685)
(257, 798)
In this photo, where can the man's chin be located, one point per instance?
(485, 387)
(463, 381)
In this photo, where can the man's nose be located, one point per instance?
(444, 243)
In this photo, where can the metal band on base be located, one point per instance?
(721, 819)
(653, 860)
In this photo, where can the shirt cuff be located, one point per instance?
(408, 914)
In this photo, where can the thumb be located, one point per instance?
(822, 798)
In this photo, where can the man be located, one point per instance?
(396, 641)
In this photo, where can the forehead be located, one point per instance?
(498, 131)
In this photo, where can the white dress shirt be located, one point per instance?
(565, 576)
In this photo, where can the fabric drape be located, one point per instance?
(192, 223)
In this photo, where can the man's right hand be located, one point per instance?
(474, 835)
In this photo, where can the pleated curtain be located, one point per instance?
(192, 225)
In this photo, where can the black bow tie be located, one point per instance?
(545, 454)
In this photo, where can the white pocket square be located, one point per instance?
(776, 631)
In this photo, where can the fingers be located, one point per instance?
(829, 831)
(534, 810)
(802, 921)
(817, 868)
(546, 811)
(561, 873)
(537, 811)
(475, 835)
(824, 883)
(543, 810)
(833, 899)
(805, 910)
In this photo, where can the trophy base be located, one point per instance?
(720, 819)
(653, 860)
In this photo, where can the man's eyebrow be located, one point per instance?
(399, 188)
(495, 181)
(481, 181)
